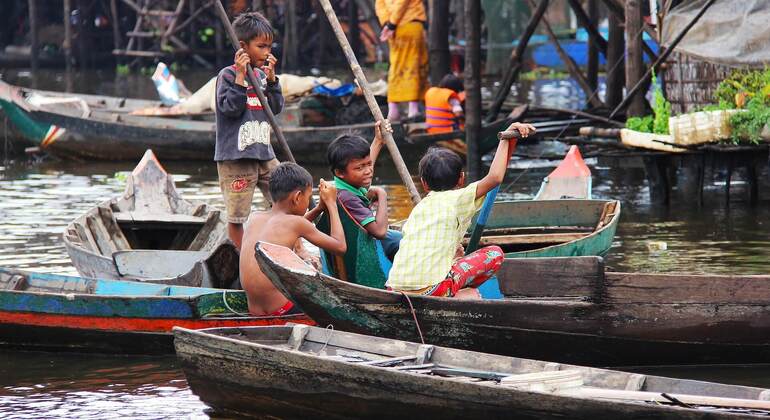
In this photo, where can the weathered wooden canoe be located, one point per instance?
(152, 234)
(309, 372)
(613, 320)
(54, 312)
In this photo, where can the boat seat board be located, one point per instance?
(144, 217)
(553, 276)
(146, 263)
(542, 238)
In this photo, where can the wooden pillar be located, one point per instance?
(290, 45)
(354, 33)
(592, 72)
(116, 39)
(67, 46)
(32, 9)
(616, 47)
(634, 63)
(219, 44)
(473, 86)
(438, 40)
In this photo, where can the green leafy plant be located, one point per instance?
(122, 69)
(749, 123)
(661, 112)
(743, 85)
(641, 124)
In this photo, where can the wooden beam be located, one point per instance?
(67, 45)
(634, 61)
(592, 70)
(617, 10)
(514, 67)
(290, 45)
(616, 50)
(35, 48)
(438, 40)
(117, 41)
(473, 87)
(588, 21)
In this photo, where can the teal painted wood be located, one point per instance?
(555, 213)
(69, 295)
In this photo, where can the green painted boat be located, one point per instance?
(552, 228)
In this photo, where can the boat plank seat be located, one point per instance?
(541, 238)
(151, 263)
(143, 217)
(552, 276)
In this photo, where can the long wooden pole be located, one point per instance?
(514, 66)
(373, 106)
(438, 40)
(32, 9)
(661, 58)
(256, 83)
(616, 48)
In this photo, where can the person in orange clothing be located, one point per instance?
(443, 105)
(403, 24)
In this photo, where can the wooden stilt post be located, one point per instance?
(616, 48)
(32, 9)
(116, 38)
(255, 82)
(516, 61)
(438, 40)
(290, 45)
(354, 33)
(473, 87)
(373, 106)
(592, 72)
(588, 20)
(67, 46)
(634, 63)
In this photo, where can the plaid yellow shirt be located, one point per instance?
(431, 235)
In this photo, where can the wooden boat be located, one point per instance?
(561, 221)
(310, 372)
(53, 312)
(613, 320)
(104, 128)
(152, 234)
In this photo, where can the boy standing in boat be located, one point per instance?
(430, 260)
(243, 152)
(284, 224)
(351, 160)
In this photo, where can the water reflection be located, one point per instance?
(37, 385)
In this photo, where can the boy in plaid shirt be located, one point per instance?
(430, 259)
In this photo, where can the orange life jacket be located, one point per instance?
(438, 112)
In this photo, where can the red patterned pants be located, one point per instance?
(471, 270)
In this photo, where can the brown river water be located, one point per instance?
(37, 200)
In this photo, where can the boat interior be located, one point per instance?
(500, 371)
(511, 233)
(21, 281)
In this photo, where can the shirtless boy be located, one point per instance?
(284, 224)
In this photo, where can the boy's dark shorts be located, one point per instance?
(238, 179)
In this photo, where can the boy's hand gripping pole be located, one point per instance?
(254, 81)
(489, 200)
(376, 112)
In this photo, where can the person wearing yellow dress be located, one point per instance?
(403, 24)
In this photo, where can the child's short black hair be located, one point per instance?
(450, 81)
(441, 169)
(250, 25)
(344, 148)
(287, 178)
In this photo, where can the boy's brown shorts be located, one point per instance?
(238, 178)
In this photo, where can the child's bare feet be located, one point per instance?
(468, 293)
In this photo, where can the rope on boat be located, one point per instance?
(329, 328)
(414, 316)
(227, 305)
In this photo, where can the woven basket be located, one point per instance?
(700, 127)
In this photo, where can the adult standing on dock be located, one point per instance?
(403, 28)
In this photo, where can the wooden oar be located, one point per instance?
(489, 200)
(373, 106)
(255, 82)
